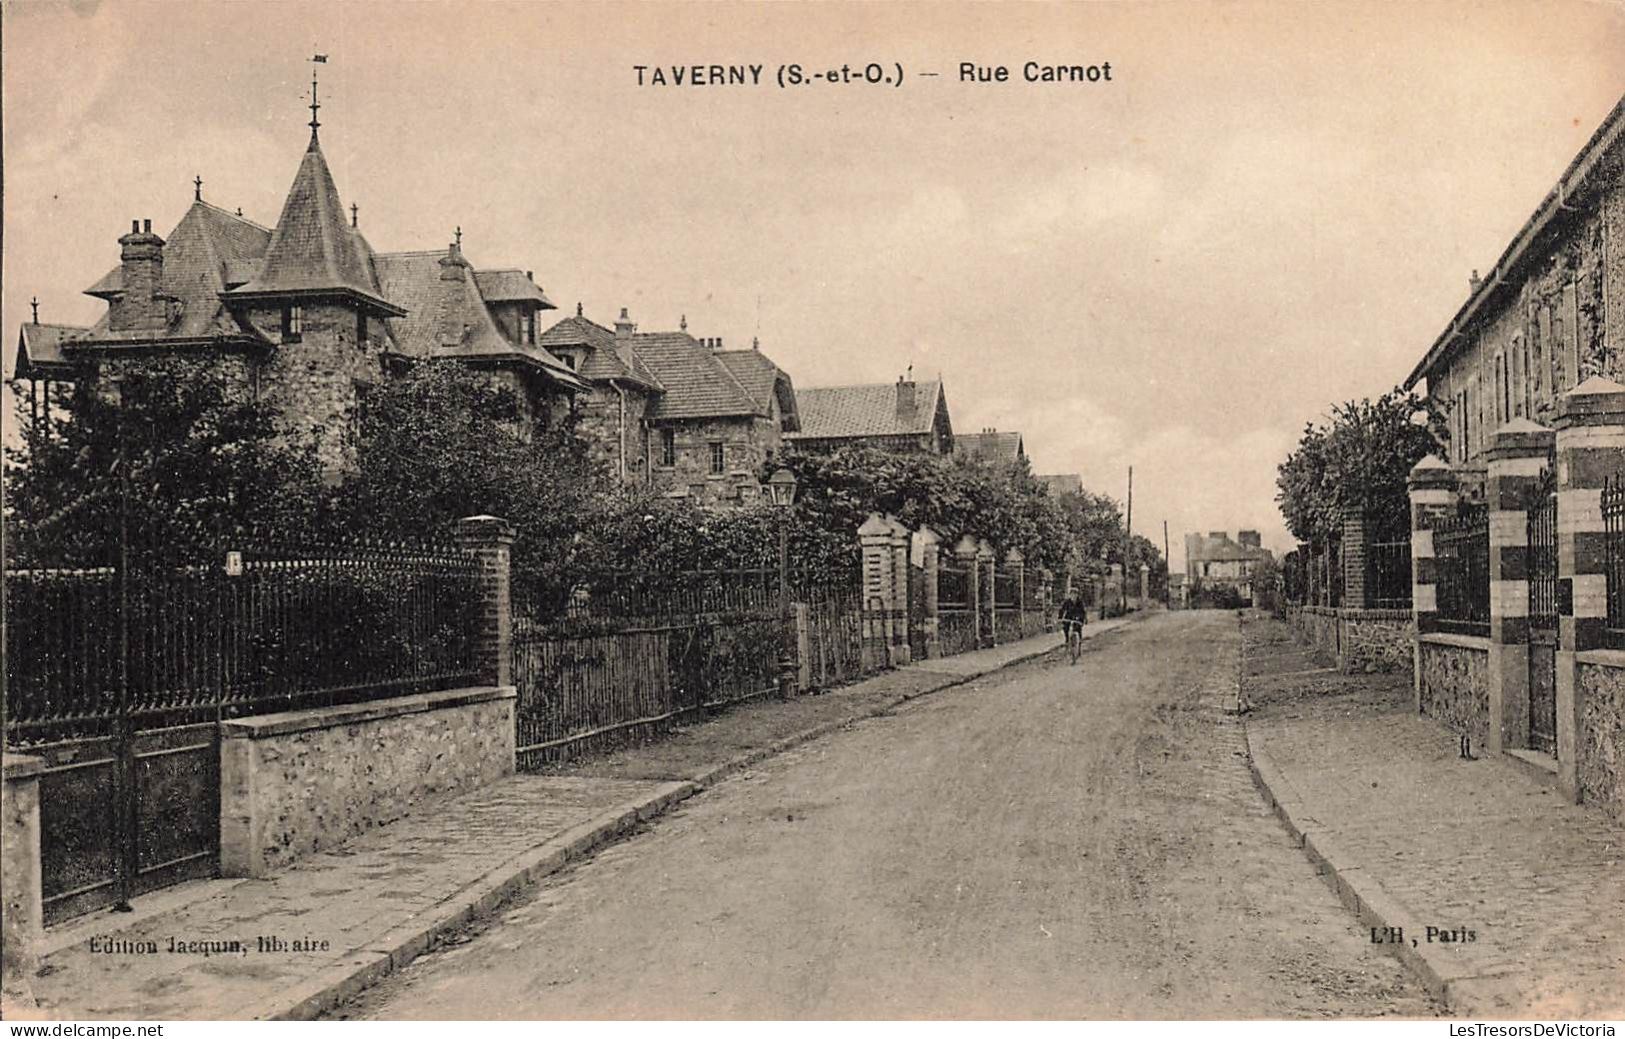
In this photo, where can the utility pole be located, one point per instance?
(1167, 568)
(1128, 534)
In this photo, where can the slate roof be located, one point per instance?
(449, 317)
(199, 255)
(604, 360)
(764, 381)
(697, 384)
(511, 285)
(989, 446)
(313, 248)
(39, 350)
(863, 411)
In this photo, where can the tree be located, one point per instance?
(1360, 458)
(441, 441)
(176, 448)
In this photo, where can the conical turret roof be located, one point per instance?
(313, 250)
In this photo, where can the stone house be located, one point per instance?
(675, 413)
(304, 315)
(910, 417)
(1215, 561)
(1547, 315)
(1518, 605)
(991, 447)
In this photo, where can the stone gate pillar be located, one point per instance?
(965, 555)
(1590, 449)
(1432, 487)
(1354, 558)
(879, 590)
(987, 562)
(21, 888)
(1518, 452)
(927, 552)
(1145, 585)
(490, 540)
(899, 650)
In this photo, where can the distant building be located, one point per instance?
(1213, 561)
(990, 447)
(910, 417)
(1063, 483)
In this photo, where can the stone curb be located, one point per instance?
(364, 967)
(1358, 890)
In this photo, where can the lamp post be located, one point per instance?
(782, 486)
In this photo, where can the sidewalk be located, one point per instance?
(1414, 837)
(370, 907)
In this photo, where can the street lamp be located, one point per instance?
(782, 487)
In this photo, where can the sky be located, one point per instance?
(1267, 209)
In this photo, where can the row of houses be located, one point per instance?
(307, 316)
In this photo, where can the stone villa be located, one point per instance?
(680, 414)
(304, 314)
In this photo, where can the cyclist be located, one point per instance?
(1072, 618)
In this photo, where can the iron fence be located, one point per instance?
(118, 678)
(1462, 551)
(168, 641)
(1613, 520)
(1388, 574)
(953, 588)
(1005, 590)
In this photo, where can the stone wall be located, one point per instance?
(1454, 683)
(1318, 625)
(747, 444)
(302, 781)
(1600, 751)
(1355, 641)
(1375, 640)
(20, 881)
(958, 631)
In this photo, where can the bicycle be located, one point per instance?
(1074, 638)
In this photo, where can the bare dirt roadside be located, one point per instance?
(1051, 841)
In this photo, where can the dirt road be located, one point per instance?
(1052, 841)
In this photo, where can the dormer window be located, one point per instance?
(527, 325)
(293, 324)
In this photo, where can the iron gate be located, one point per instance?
(119, 670)
(1542, 567)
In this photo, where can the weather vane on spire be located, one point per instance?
(315, 59)
(197, 188)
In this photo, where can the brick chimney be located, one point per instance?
(142, 307)
(1250, 538)
(1474, 281)
(625, 327)
(1218, 535)
(907, 405)
(453, 267)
